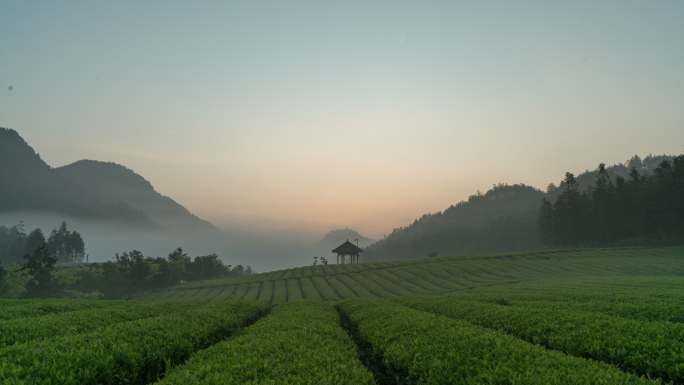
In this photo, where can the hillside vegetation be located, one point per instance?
(616, 205)
(435, 275)
(580, 317)
(503, 219)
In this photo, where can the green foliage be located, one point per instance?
(434, 275)
(66, 246)
(63, 245)
(34, 241)
(4, 281)
(13, 309)
(134, 352)
(300, 343)
(40, 266)
(12, 244)
(502, 219)
(649, 348)
(559, 300)
(643, 207)
(639, 201)
(412, 347)
(644, 304)
(133, 272)
(36, 326)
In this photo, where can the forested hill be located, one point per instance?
(505, 218)
(587, 180)
(85, 189)
(502, 219)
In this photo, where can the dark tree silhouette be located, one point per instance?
(4, 284)
(642, 208)
(66, 246)
(40, 267)
(34, 241)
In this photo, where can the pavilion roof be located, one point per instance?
(347, 248)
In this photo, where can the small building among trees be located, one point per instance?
(347, 249)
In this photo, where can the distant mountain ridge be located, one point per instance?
(338, 236)
(84, 189)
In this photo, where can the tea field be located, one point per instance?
(439, 275)
(599, 316)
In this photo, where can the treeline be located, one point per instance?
(63, 245)
(134, 272)
(35, 266)
(635, 202)
(637, 208)
(129, 273)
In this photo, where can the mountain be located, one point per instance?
(504, 219)
(85, 189)
(334, 238)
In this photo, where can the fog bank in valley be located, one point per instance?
(262, 249)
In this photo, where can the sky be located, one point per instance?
(322, 114)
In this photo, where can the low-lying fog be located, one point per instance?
(263, 250)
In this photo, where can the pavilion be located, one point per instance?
(347, 249)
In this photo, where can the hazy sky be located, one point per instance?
(323, 114)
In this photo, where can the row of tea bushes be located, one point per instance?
(410, 346)
(299, 343)
(655, 349)
(135, 352)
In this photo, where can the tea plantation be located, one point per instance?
(595, 316)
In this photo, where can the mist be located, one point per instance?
(260, 248)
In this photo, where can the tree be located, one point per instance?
(238, 270)
(34, 241)
(135, 268)
(634, 175)
(4, 277)
(602, 202)
(15, 244)
(40, 267)
(640, 207)
(568, 209)
(546, 222)
(66, 246)
(75, 247)
(57, 242)
(206, 266)
(177, 269)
